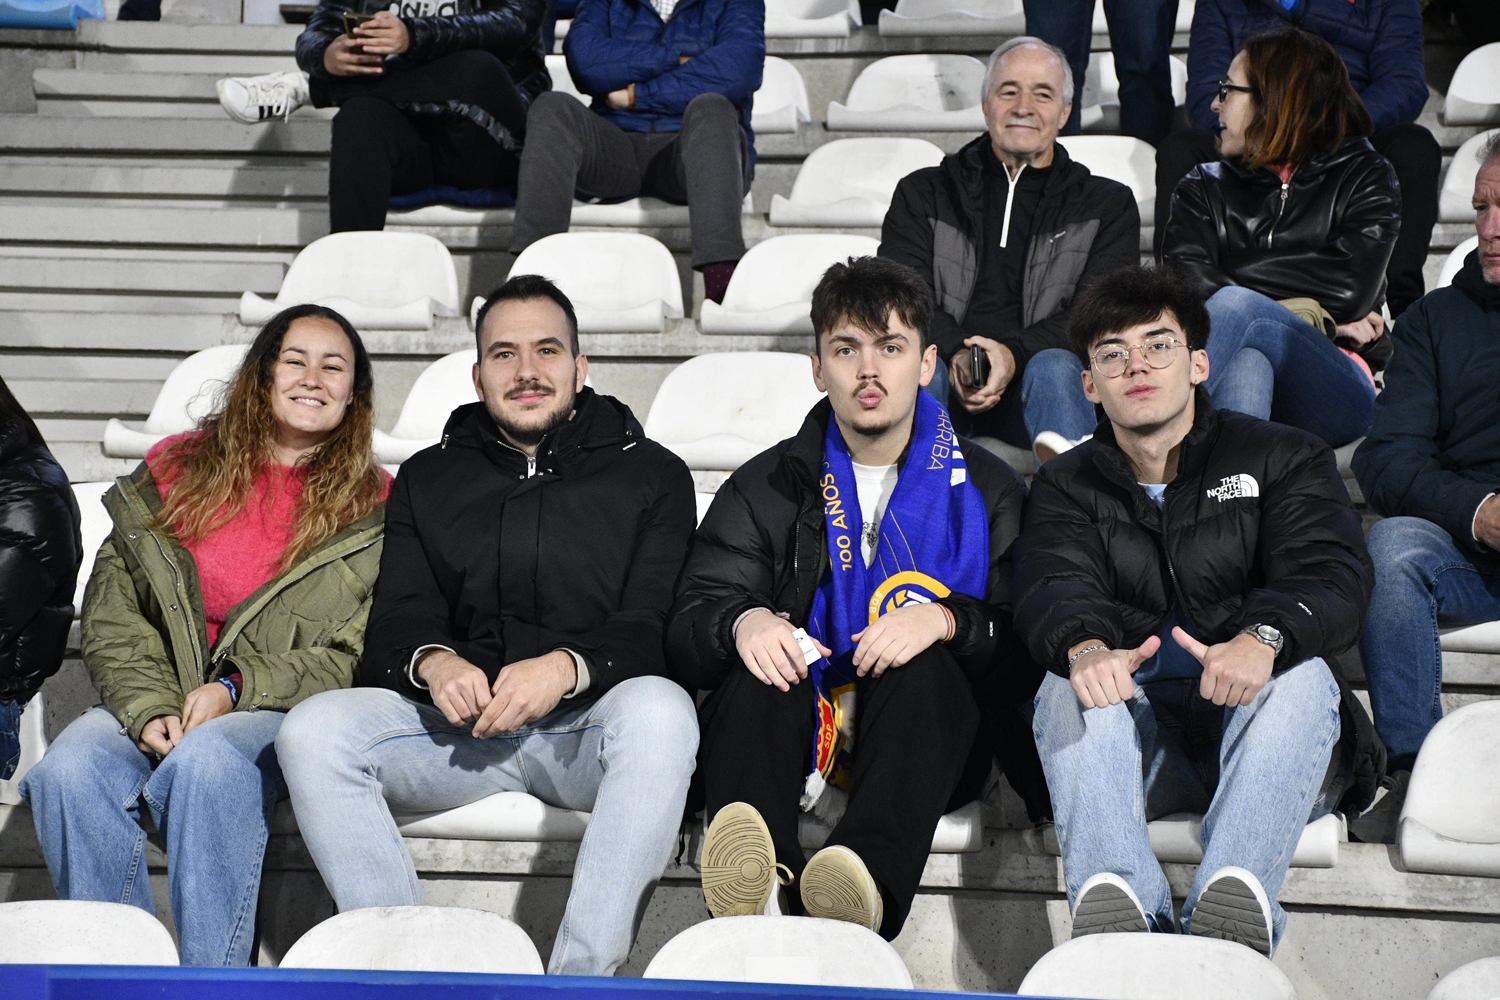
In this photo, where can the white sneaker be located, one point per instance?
(1107, 905)
(1049, 444)
(255, 99)
(1234, 907)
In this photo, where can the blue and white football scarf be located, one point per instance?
(934, 540)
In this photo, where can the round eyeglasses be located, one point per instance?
(1159, 352)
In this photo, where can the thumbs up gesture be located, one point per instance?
(1233, 671)
(1103, 677)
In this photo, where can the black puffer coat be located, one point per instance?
(40, 551)
(1256, 529)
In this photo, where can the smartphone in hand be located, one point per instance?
(979, 366)
(353, 20)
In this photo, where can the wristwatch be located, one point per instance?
(1266, 634)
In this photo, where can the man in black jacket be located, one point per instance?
(428, 92)
(1185, 577)
(1431, 464)
(515, 642)
(1006, 232)
(758, 606)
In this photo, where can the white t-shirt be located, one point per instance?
(874, 484)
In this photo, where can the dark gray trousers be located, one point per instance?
(569, 147)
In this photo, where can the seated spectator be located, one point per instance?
(427, 94)
(1290, 234)
(1006, 232)
(1380, 42)
(528, 571)
(672, 84)
(1186, 576)
(235, 583)
(899, 591)
(1431, 465)
(40, 553)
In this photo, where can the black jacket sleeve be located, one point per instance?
(503, 27)
(906, 237)
(325, 24)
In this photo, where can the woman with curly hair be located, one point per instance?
(236, 582)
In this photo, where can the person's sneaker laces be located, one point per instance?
(1234, 907)
(836, 885)
(739, 868)
(1107, 905)
(255, 99)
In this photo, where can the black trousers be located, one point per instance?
(1416, 158)
(379, 150)
(569, 147)
(914, 734)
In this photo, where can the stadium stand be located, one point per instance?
(1455, 200)
(1178, 838)
(1478, 980)
(849, 182)
(1121, 158)
(446, 383)
(1156, 967)
(1184, 18)
(953, 17)
(562, 80)
(1455, 261)
(75, 932)
(1473, 96)
(771, 291)
(1100, 93)
(811, 18)
(782, 950)
(619, 282)
(416, 939)
(918, 92)
(190, 392)
(1452, 814)
(780, 105)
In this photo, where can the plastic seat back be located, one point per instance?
(194, 389)
(1456, 199)
(988, 9)
(928, 82)
(76, 932)
(416, 939)
(1156, 967)
(378, 270)
(1474, 93)
(867, 169)
(443, 386)
(757, 397)
(785, 269)
(1101, 84)
(95, 526)
(761, 949)
(1477, 980)
(1120, 158)
(781, 102)
(608, 276)
(1455, 784)
(1455, 261)
(562, 80)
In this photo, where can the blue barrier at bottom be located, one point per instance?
(63, 14)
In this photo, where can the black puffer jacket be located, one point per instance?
(1256, 529)
(501, 558)
(40, 552)
(762, 544)
(1326, 234)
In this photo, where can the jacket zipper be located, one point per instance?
(1271, 237)
(1010, 198)
(180, 590)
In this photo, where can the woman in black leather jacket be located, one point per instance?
(40, 549)
(1301, 207)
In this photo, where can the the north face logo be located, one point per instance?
(1232, 487)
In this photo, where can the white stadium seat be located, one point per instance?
(704, 501)
(717, 411)
(802, 950)
(781, 104)
(1455, 263)
(1474, 92)
(913, 93)
(618, 282)
(1156, 967)
(811, 18)
(76, 932)
(771, 288)
(191, 392)
(95, 527)
(1179, 839)
(1450, 823)
(849, 182)
(1482, 638)
(562, 80)
(953, 17)
(1456, 199)
(376, 280)
(1121, 158)
(416, 939)
(1184, 17)
(1478, 980)
(1101, 88)
(443, 386)
(33, 731)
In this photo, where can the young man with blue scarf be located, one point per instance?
(847, 603)
(1186, 577)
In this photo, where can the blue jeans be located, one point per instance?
(353, 757)
(211, 798)
(1051, 399)
(1266, 362)
(1254, 772)
(10, 737)
(1140, 35)
(1422, 581)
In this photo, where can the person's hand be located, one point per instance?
(459, 689)
(1233, 671)
(202, 704)
(622, 99)
(1487, 523)
(977, 399)
(766, 643)
(161, 734)
(684, 60)
(383, 35)
(897, 636)
(1104, 677)
(345, 57)
(527, 690)
(1365, 330)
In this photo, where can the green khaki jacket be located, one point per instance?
(145, 640)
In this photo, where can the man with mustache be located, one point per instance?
(1007, 232)
(515, 641)
(847, 603)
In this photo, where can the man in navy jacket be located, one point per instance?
(671, 82)
(1381, 44)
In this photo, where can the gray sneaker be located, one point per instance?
(1234, 907)
(1107, 905)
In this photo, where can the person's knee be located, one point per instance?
(1302, 697)
(1232, 300)
(1054, 367)
(1406, 546)
(655, 714)
(208, 753)
(325, 726)
(710, 114)
(554, 109)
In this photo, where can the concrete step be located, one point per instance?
(96, 368)
(191, 110)
(79, 84)
(125, 398)
(91, 275)
(83, 330)
(227, 64)
(144, 223)
(85, 461)
(106, 308)
(164, 136)
(148, 36)
(266, 179)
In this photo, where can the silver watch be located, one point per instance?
(1266, 634)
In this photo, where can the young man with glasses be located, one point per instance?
(1185, 577)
